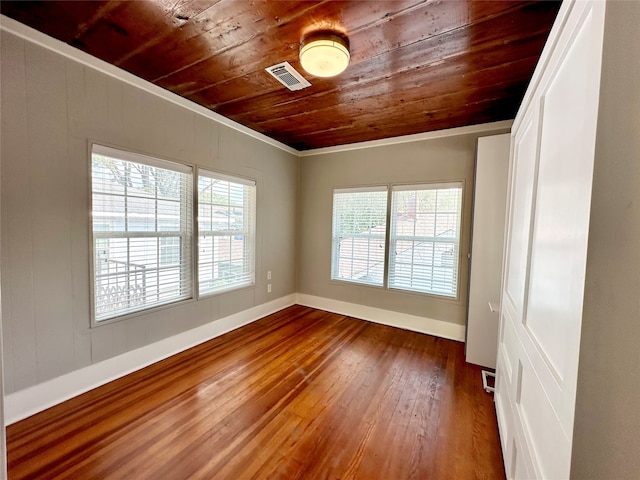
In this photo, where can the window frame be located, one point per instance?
(418, 186)
(252, 230)
(389, 187)
(334, 245)
(185, 202)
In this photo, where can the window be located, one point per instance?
(141, 232)
(226, 232)
(359, 234)
(424, 239)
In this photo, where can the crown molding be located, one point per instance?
(487, 128)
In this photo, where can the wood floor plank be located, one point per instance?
(300, 394)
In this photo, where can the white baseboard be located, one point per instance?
(37, 398)
(414, 323)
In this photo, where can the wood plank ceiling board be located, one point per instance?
(416, 66)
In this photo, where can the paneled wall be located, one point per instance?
(52, 108)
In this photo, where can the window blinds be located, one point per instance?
(424, 239)
(141, 232)
(226, 232)
(359, 235)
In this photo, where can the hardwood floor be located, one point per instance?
(301, 394)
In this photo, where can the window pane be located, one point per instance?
(168, 184)
(169, 251)
(226, 236)
(108, 213)
(359, 232)
(142, 252)
(142, 230)
(141, 214)
(168, 215)
(425, 236)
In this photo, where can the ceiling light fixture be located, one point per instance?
(324, 54)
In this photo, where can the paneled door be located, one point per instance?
(551, 171)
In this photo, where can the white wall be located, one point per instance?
(52, 107)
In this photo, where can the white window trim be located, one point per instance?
(150, 160)
(154, 161)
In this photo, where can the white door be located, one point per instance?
(489, 205)
(548, 221)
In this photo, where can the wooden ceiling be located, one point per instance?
(416, 66)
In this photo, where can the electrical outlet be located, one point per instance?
(269, 275)
(268, 288)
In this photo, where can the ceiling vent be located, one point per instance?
(287, 75)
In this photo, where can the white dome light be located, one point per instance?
(324, 56)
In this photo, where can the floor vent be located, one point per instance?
(287, 75)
